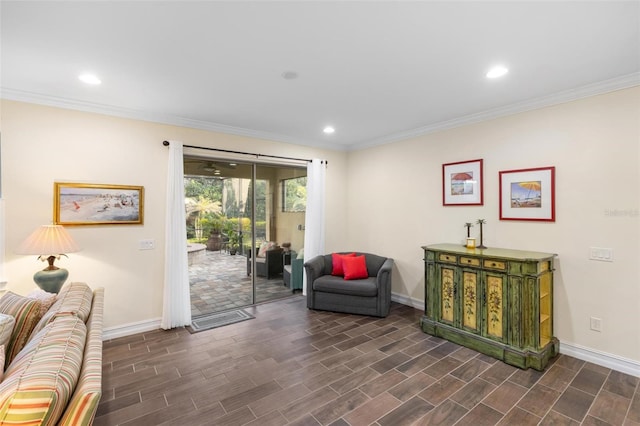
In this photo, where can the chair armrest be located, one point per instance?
(383, 278)
(314, 269)
(297, 264)
(383, 281)
(250, 254)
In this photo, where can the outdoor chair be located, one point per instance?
(269, 262)
(293, 268)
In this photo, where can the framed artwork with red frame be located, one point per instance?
(528, 194)
(462, 183)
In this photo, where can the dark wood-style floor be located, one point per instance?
(293, 366)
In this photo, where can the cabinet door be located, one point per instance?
(495, 306)
(471, 307)
(447, 292)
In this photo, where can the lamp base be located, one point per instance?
(51, 280)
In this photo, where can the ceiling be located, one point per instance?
(376, 71)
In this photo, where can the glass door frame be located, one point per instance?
(273, 180)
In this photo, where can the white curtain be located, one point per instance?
(176, 310)
(314, 216)
(3, 283)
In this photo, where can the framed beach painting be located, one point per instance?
(97, 204)
(462, 183)
(528, 194)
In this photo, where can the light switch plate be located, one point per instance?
(601, 254)
(146, 245)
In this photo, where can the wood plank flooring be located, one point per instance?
(293, 366)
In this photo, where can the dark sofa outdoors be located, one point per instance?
(270, 265)
(368, 296)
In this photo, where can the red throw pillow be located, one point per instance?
(355, 268)
(336, 260)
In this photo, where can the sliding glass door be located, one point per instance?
(241, 231)
(279, 231)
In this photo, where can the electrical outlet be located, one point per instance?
(596, 324)
(601, 254)
(146, 245)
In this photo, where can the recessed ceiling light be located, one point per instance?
(289, 75)
(328, 130)
(89, 79)
(497, 71)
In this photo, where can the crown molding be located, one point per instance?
(594, 89)
(598, 88)
(122, 112)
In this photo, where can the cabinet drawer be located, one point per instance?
(469, 261)
(495, 264)
(449, 258)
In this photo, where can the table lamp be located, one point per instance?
(49, 242)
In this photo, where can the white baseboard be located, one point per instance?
(604, 359)
(131, 328)
(405, 300)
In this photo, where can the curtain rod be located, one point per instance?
(166, 143)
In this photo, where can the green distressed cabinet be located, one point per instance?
(496, 301)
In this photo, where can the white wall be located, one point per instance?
(594, 145)
(41, 145)
(386, 200)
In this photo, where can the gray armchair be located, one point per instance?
(369, 296)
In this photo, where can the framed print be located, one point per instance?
(462, 183)
(528, 194)
(97, 204)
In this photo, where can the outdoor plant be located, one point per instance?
(234, 241)
(230, 230)
(211, 224)
(197, 208)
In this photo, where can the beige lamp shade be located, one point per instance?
(48, 240)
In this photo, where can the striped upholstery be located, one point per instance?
(1, 362)
(74, 298)
(46, 299)
(6, 329)
(84, 403)
(26, 313)
(40, 380)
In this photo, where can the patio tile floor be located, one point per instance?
(219, 281)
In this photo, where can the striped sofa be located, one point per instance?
(53, 362)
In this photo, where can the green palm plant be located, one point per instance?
(198, 207)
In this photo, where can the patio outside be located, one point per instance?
(219, 282)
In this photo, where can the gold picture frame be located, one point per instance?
(76, 204)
